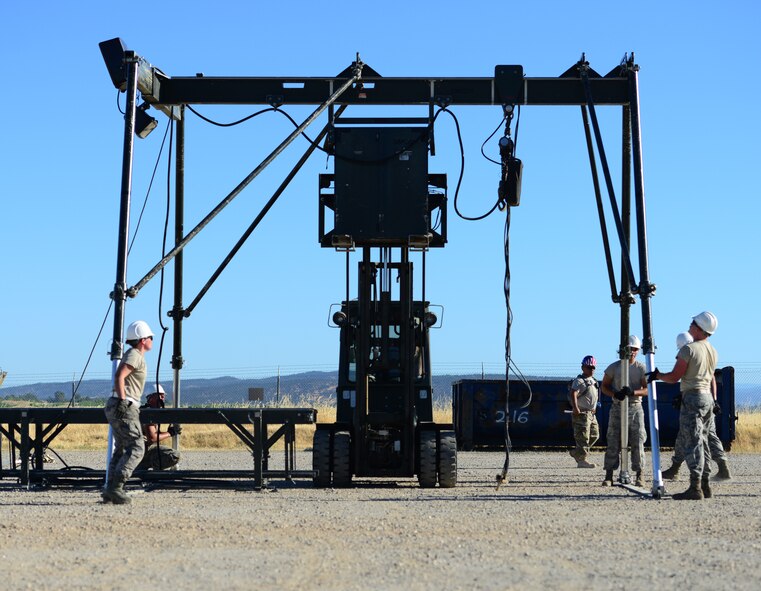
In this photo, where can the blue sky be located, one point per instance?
(61, 150)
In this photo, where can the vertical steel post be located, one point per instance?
(179, 229)
(646, 289)
(624, 296)
(120, 286)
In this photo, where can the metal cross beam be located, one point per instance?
(507, 86)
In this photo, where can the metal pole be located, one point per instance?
(646, 289)
(624, 296)
(119, 294)
(598, 199)
(132, 292)
(606, 169)
(179, 229)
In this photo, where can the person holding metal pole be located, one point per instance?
(718, 454)
(582, 395)
(123, 413)
(626, 414)
(695, 366)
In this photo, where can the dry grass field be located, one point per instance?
(219, 437)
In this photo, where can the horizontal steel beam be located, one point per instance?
(508, 86)
(386, 91)
(94, 415)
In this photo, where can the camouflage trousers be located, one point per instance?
(158, 457)
(714, 445)
(695, 418)
(637, 436)
(128, 440)
(586, 432)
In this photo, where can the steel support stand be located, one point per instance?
(120, 287)
(177, 312)
(646, 289)
(256, 419)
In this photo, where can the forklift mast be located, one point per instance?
(383, 202)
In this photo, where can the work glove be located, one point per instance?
(620, 394)
(653, 375)
(174, 429)
(627, 391)
(716, 408)
(121, 408)
(677, 401)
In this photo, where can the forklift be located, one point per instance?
(385, 204)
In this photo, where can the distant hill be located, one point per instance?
(307, 388)
(311, 388)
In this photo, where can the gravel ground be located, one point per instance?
(552, 527)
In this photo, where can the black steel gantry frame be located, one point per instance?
(360, 85)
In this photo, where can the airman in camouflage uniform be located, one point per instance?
(718, 454)
(583, 396)
(123, 413)
(694, 369)
(612, 385)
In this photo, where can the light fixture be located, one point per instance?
(430, 319)
(339, 318)
(343, 242)
(144, 123)
(113, 54)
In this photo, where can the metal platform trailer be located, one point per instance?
(30, 430)
(384, 202)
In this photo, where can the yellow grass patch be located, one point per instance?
(748, 433)
(93, 437)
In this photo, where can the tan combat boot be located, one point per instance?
(638, 479)
(694, 493)
(705, 487)
(585, 464)
(672, 472)
(116, 494)
(723, 473)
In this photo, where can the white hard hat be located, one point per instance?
(138, 330)
(634, 342)
(682, 339)
(707, 322)
(158, 390)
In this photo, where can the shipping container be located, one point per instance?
(539, 413)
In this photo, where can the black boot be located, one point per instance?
(694, 493)
(608, 478)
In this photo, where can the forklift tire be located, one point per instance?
(427, 473)
(321, 458)
(342, 459)
(447, 459)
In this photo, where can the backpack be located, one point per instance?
(583, 391)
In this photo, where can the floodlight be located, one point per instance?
(113, 54)
(144, 123)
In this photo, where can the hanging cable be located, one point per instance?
(462, 170)
(274, 108)
(496, 129)
(164, 329)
